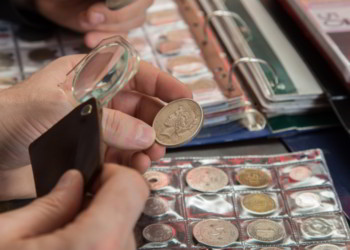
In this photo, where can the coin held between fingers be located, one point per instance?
(178, 122)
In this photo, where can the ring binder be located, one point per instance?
(225, 13)
(252, 60)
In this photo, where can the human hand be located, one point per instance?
(54, 221)
(32, 107)
(93, 18)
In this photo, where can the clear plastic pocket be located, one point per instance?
(268, 232)
(303, 175)
(259, 204)
(312, 201)
(254, 178)
(163, 207)
(321, 228)
(162, 235)
(206, 179)
(215, 233)
(163, 180)
(201, 206)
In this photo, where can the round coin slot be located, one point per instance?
(158, 233)
(316, 228)
(266, 231)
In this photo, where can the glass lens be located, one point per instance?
(105, 71)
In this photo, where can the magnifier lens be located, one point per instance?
(105, 71)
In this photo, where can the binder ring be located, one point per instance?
(224, 13)
(251, 60)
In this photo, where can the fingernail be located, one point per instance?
(67, 179)
(145, 136)
(96, 18)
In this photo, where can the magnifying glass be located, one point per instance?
(104, 71)
(117, 4)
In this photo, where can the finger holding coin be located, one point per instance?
(178, 122)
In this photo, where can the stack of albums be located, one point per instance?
(254, 202)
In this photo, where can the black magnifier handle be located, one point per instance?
(117, 4)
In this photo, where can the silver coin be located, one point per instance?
(158, 233)
(266, 231)
(207, 179)
(326, 247)
(316, 228)
(215, 233)
(156, 207)
(307, 200)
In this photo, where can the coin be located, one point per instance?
(178, 122)
(307, 200)
(215, 233)
(259, 204)
(155, 207)
(157, 180)
(158, 233)
(251, 177)
(207, 179)
(316, 228)
(326, 247)
(300, 173)
(266, 231)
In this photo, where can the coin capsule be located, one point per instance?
(207, 179)
(215, 233)
(259, 204)
(253, 178)
(156, 180)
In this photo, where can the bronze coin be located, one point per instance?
(259, 204)
(178, 122)
(251, 177)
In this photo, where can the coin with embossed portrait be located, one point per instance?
(254, 178)
(215, 233)
(266, 231)
(158, 233)
(157, 180)
(156, 207)
(178, 122)
(326, 247)
(207, 179)
(258, 204)
(316, 228)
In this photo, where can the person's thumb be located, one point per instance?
(48, 213)
(125, 132)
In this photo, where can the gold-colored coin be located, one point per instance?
(178, 122)
(254, 178)
(259, 204)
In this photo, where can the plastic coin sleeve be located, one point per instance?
(278, 215)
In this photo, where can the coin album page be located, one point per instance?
(283, 201)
